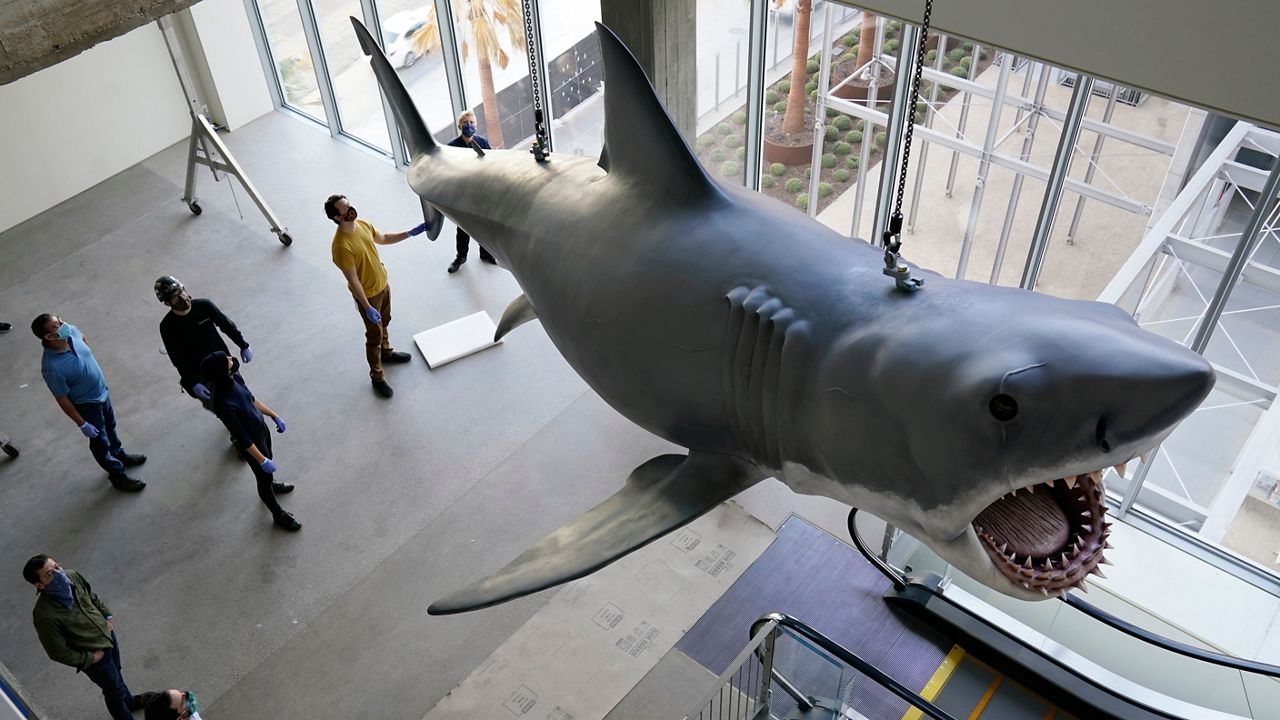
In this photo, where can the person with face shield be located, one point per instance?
(75, 628)
(190, 332)
(355, 253)
(73, 375)
(172, 704)
(245, 418)
(467, 137)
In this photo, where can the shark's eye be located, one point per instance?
(1003, 407)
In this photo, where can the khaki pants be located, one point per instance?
(377, 341)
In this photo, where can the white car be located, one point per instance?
(399, 33)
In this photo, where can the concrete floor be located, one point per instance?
(402, 501)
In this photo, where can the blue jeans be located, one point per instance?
(106, 674)
(106, 447)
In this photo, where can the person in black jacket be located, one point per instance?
(190, 333)
(467, 137)
(242, 414)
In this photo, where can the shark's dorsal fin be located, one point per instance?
(640, 139)
(416, 136)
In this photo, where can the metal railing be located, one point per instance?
(745, 690)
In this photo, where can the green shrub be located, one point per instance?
(852, 162)
(851, 55)
(966, 62)
(893, 26)
(808, 173)
(802, 201)
(853, 137)
(931, 57)
(734, 141)
(706, 140)
(725, 128)
(740, 117)
(831, 133)
(813, 95)
(793, 185)
(777, 169)
(878, 140)
(968, 47)
(783, 86)
(780, 106)
(921, 108)
(730, 169)
(956, 54)
(960, 71)
(842, 122)
(740, 153)
(771, 97)
(832, 113)
(891, 46)
(717, 155)
(768, 181)
(825, 189)
(811, 86)
(849, 41)
(842, 148)
(812, 66)
(828, 160)
(842, 175)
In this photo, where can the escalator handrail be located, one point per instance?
(849, 658)
(1097, 613)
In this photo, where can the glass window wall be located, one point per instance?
(355, 88)
(411, 39)
(287, 45)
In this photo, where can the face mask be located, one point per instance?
(181, 303)
(235, 366)
(350, 214)
(59, 587)
(190, 699)
(64, 331)
(468, 129)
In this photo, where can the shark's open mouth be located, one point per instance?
(1050, 536)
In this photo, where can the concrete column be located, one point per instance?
(662, 35)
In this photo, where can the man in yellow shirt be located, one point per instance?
(356, 255)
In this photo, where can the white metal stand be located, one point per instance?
(205, 147)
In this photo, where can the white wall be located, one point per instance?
(231, 62)
(73, 125)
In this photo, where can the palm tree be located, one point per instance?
(866, 40)
(483, 20)
(797, 96)
(428, 37)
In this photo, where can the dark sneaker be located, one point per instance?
(453, 266)
(131, 460)
(286, 521)
(5, 327)
(383, 389)
(396, 357)
(281, 488)
(126, 483)
(489, 259)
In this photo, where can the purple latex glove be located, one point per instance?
(89, 431)
(371, 313)
(268, 466)
(246, 355)
(418, 230)
(279, 421)
(200, 391)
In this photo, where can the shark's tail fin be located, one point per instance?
(416, 135)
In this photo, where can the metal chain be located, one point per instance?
(539, 148)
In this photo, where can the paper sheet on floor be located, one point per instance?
(457, 339)
(582, 653)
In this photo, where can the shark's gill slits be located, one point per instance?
(1050, 536)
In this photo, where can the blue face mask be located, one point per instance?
(59, 588)
(64, 331)
(189, 698)
(468, 129)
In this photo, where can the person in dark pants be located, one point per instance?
(242, 413)
(75, 379)
(190, 332)
(76, 629)
(467, 137)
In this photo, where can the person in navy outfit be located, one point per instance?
(467, 137)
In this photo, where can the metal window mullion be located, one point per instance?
(899, 116)
(259, 29)
(1057, 180)
(324, 83)
(451, 56)
(1028, 141)
(984, 167)
(544, 80)
(820, 115)
(755, 94)
(374, 23)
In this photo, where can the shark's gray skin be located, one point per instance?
(769, 345)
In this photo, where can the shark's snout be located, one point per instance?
(1166, 384)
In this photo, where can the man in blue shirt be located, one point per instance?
(467, 137)
(75, 379)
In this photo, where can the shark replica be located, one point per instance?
(976, 418)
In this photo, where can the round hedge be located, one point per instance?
(808, 172)
(793, 185)
(893, 26)
(740, 153)
(828, 160)
(725, 129)
(717, 155)
(771, 96)
(734, 141)
(968, 47)
(842, 122)
(852, 162)
(780, 106)
(812, 65)
(831, 133)
(740, 117)
(956, 54)
(842, 148)
(825, 189)
(849, 40)
(966, 62)
(811, 86)
(777, 169)
(802, 201)
(960, 71)
(841, 175)
(891, 46)
(879, 139)
(730, 169)
(931, 57)
(768, 181)
(853, 137)
(783, 86)
(706, 140)
(832, 113)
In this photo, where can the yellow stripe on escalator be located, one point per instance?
(939, 679)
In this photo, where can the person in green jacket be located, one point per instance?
(75, 628)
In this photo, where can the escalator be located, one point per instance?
(848, 644)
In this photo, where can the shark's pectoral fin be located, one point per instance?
(661, 495)
(519, 312)
(434, 219)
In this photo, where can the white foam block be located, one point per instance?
(460, 338)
